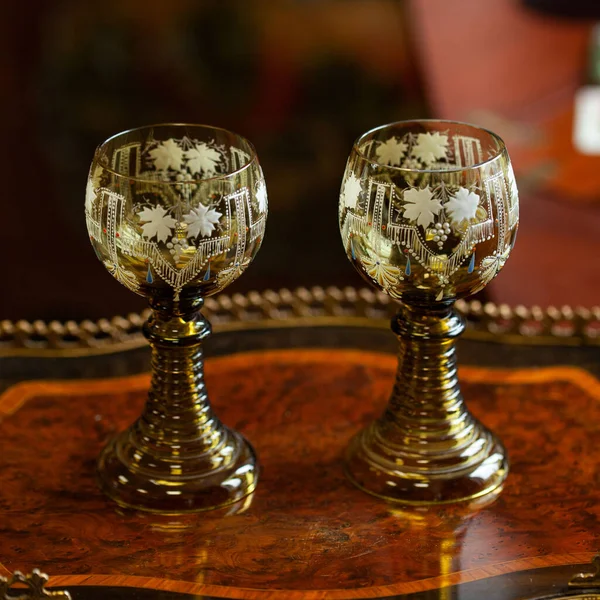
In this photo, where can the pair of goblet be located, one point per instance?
(428, 214)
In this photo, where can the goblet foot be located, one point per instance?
(141, 479)
(451, 472)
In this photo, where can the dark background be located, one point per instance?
(301, 79)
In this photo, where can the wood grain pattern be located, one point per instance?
(547, 583)
(306, 529)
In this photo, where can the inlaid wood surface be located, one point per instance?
(306, 529)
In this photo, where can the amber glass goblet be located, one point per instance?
(176, 213)
(428, 214)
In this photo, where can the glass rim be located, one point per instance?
(99, 155)
(502, 151)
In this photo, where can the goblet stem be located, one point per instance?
(427, 448)
(178, 456)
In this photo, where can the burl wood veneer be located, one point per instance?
(306, 532)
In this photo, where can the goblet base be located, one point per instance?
(157, 487)
(399, 475)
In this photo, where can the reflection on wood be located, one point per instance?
(306, 528)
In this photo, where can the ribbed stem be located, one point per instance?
(426, 447)
(178, 455)
(426, 415)
(178, 414)
(177, 409)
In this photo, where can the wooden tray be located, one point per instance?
(306, 532)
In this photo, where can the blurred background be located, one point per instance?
(301, 79)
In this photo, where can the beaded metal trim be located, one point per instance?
(303, 307)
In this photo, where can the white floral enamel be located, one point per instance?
(156, 223)
(193, 217)
(462, 206)
(201, 221)
(167, 155)
(430, 147)
(420, 206)
(391, 152)
(351, 191)
(433, 221)
(261, 197)
(202, 159)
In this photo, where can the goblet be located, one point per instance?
(428, 214)
(176, 213)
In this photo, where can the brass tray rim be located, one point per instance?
(302, 307)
